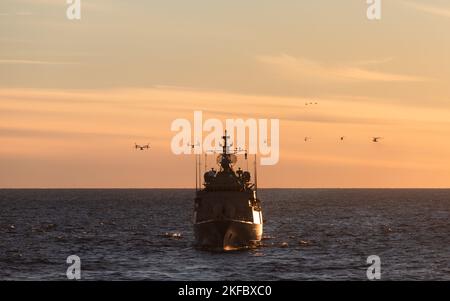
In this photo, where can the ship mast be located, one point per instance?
(225, 145)
(256, 175)
(196, 170)
(199, 172)
(225, 158)
(198, 162)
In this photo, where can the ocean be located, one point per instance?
(309, 234)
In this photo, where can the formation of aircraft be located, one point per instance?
(342, 138)
(236, 150)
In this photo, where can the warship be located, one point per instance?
(227, 212)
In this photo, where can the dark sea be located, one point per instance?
(309, 234)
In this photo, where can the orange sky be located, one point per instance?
(75, 97)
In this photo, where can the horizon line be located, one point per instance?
(193, 188)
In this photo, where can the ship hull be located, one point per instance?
(223, 235)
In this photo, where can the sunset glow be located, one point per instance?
(76, 96)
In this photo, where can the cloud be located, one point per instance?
(62, 134)
(333, 119)
(434, 10)
(62, 3)
(89, 135)
(24, 13)
(33, 62)
(300, 68)
(179, 101)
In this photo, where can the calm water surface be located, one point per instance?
(147, 235)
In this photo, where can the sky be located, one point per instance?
(76, 95)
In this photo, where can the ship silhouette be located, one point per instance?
(227, 212)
